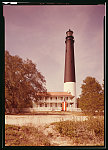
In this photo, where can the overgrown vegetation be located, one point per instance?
(24, 136)
(79, 133)
(89, 132)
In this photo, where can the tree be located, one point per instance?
(102, 97)
(92, 96)
(22, 82)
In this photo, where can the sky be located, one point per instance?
(38, 32)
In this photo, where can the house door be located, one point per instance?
(64, 106)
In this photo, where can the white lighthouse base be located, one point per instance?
(70, 87)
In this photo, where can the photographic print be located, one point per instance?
(54, 75)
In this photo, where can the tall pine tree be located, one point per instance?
(92, 96)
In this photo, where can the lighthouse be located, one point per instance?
(69, 72)
(66, 100)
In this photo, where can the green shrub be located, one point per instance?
(82, 131)
(97, 125)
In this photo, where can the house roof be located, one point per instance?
(55, 94)
(59, 93)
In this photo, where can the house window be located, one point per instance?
(50, 104)
(66, 98)
(71, 104)
(55, 104)
(61, 98)
(45, 105)
(67, 104)
(61, 104)
(56, 98)
(50, 98)
(40, 105)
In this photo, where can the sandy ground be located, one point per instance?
(37, 120)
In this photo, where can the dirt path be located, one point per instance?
(54, 137)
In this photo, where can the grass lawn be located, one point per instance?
(51, 113)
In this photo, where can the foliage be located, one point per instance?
(24, 136)
(90, 131)
(22, 82)
(97, 125)
(92, 96)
